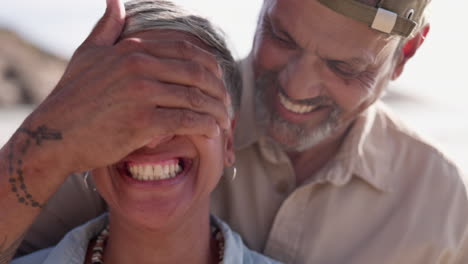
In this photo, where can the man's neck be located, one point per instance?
(189, 242)
(308, 162)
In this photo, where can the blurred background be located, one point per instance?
(38, 37)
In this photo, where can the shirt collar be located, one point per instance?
(72, 248)
(365, 152)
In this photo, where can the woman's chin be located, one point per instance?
(165, 185)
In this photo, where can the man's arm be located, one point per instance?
(114, 98)
(25, 163)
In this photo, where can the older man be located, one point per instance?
(325, 173)
(329, 175)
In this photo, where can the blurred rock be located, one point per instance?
(27, 74)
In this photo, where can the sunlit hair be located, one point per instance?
(143, 15)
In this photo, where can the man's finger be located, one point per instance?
(158, 140)
(172, 49)
(182, 122)
(109, 27)
(184, 97)
(180, 72)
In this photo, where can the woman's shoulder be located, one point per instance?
(71, 249)
(235, 251)
(37, 257)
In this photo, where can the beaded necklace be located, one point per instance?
(98, 249)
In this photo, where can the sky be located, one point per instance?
(437, 75)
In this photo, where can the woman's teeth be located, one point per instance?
(150, 172)
(294, 107)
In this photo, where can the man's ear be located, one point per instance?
(229, 155)
(409, 49)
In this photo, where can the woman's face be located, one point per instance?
(166, 183)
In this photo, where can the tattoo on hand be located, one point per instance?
(7, 253)
(15, 169)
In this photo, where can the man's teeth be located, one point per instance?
(296, 108)
(150, 172)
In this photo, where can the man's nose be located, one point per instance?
(301, 78)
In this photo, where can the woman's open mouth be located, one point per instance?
(156, 170)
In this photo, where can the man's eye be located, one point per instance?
(282, 40)
(277, 37)
(285, 42)
(343, 69)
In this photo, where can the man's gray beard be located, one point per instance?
(290, 136)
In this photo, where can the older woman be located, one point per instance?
(158, 196)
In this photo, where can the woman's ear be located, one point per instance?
(409, 49)
(229, 155)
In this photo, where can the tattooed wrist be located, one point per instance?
(42, 133)
(16, 166)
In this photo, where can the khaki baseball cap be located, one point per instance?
(397, 17)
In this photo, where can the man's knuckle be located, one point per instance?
(188, 119)
(137, 88)
(133, 62)
(209, 121)
(141, 85)
(186, 48)
(196, 72)
(128, 44)
(195, 97)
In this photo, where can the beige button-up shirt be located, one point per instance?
(388, 197)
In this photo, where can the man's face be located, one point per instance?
(315, 71)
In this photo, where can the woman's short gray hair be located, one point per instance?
(143, 15)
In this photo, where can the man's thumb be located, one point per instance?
(109, 27)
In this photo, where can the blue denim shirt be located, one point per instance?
(72, 248)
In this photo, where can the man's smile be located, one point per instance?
(296, 107)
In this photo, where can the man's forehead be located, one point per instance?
(317, 28)
(393, 17)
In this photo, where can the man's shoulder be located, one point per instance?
(411, 154)
(424, 183)
(34, 258)
(407, 140)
